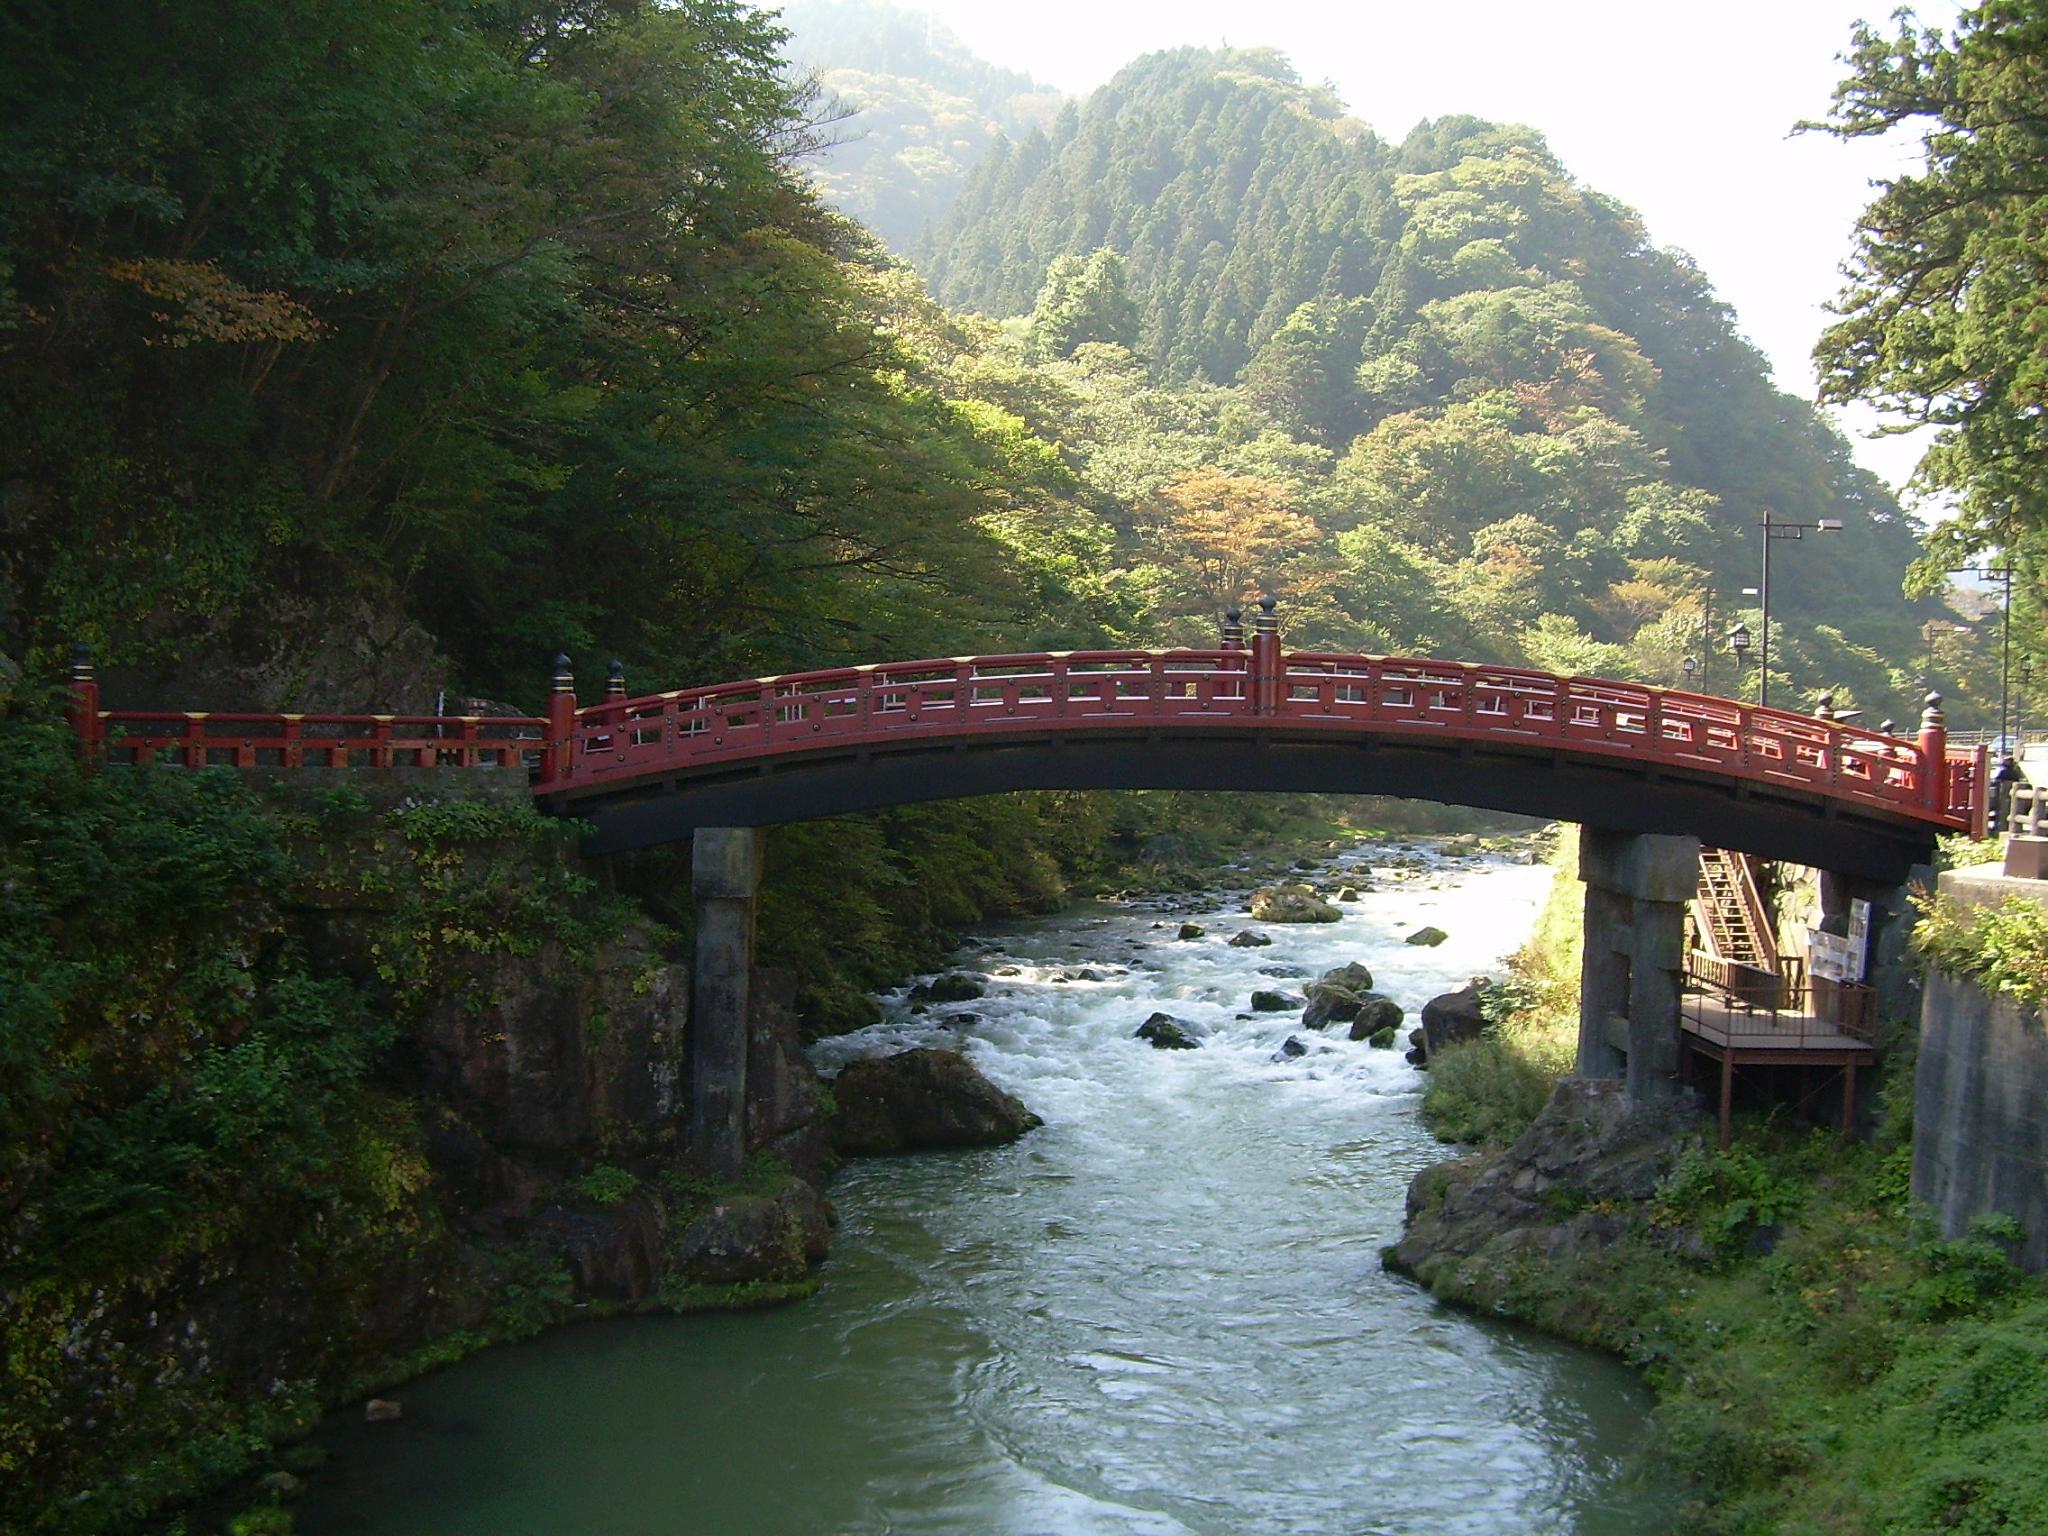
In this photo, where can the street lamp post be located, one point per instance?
(2003, 574)
(1774, 530)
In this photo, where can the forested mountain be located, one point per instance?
(913, 110)
(332, 372)
(1473, 375)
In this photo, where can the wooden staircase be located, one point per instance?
(1734, 947)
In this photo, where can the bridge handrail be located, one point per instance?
(622, 739)
(725, 726)
(241, 739)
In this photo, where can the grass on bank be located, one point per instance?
(1487, 1091)
(1824, 1364)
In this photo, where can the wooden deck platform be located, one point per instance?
(1733, 1033)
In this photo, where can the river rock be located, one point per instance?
(1385, 1040)
(1283, 972)
(773, 1238)
(1290, 1049)
(1377, 1015)
(1451, 1017)
(922, 1098)
(1291, 904)
(1356, 976)
(1249, 939)
(1276, 1002)
(1336, 995)
(1327, 1005)
(1347, 893)
(1163, 1032)
(1191, 931)
(1566, 1188)
(1428, 937)
(953, 987)
(381, 1410)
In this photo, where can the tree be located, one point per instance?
(1229, 535)
(1081, 302)
(1945, 317)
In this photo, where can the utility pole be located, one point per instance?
(1774, 530)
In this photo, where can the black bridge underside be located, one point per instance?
(1620, 796)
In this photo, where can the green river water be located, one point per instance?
(1163, 1312)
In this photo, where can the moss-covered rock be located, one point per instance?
(1291, 904)
(1377, 1015)
(922, 1098)
(1163, 1032)
(952, 987)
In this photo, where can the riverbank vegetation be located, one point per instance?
(1487, 1091)
(1823, 1362)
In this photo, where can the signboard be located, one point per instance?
(1833, 958)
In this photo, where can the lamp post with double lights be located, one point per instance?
(1773, 531)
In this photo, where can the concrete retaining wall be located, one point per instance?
(1980, 1100)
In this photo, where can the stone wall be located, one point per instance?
(1980, 1095)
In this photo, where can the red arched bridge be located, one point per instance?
(647, 770)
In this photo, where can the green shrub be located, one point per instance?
(1726, 1196)
(2003, 948)
(606, 1185)
(1483, 1091)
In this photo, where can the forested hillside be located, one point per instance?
(334, 373)
(1445, 396)
(911, 110)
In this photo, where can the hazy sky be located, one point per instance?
(1684, 111)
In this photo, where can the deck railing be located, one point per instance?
(1810, 1013)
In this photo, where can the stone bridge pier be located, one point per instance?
(1637, 887)
(725, 877)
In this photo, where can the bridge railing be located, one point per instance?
(200, 739)
(1624, 719)
(626, 739)
(771, 715)
(621, 740)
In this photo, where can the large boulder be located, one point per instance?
(1336, 996)
(922, 1098)
(773, 1238)
(1249, 939)
(1567, 1188)
(1451, 1017)
(1163, 1032)
(953, 987)
(1377, 1015)
(1291, 904)
(1275, 1002)
(1357, 976)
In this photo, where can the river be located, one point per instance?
(1162, 1312)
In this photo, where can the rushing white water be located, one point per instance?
(1162, 1312)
